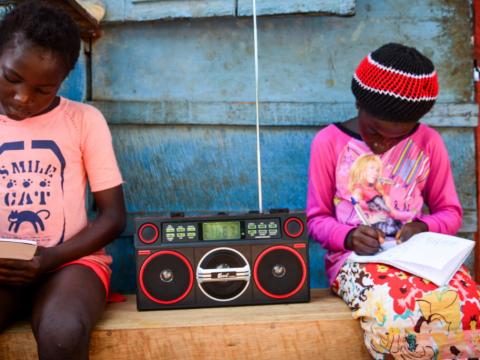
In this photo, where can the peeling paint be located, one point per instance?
(457, 59)
(358, 31)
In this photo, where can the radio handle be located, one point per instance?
(206, 275)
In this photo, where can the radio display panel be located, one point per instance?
(221, 230)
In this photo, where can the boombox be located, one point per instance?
(221, 260)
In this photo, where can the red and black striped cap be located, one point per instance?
(396, 83)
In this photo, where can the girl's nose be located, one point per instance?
(21, 96)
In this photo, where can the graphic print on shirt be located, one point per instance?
(387, 187)
(31, 197)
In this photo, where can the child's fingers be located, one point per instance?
(377, 234)
(381, 236)
(363, 248)
(398, 235)
(366, 241)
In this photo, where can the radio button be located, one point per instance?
(191, 228)
(169, 229)
(262, 232)
(170, 237)
(262, 225)
(251, 226)
(191, 235)
(272, 225)
(293, 227)
(148, 233)
(273, 232)
(180, 229)
(181, 235)
(252, 233)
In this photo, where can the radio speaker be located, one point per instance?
(221, 261)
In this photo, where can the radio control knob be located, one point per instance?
(148, 233)
(293, 227)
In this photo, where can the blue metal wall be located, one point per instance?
(179, 97)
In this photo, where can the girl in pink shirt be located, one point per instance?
(49, 148)
(391, 166)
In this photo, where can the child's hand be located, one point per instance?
(22, 272)
(364, 240)
(410, 229)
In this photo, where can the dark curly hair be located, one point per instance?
(45, 26)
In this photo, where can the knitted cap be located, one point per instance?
(396, 83)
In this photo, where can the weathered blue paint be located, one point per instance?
(279, 113)
(74, 86)
(299, 60)
(179, 97)
(158, 9)
(148, 10)
(276, 7)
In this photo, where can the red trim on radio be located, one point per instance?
(300, 246)
(190, 273)
(296, 234)
(144, 252)
(155, 237)
(260, 257)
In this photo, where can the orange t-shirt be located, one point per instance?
(45, 162)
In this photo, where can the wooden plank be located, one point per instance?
(272, 113)
(302, 59)
(170, 162)
(148, 10)
(276, 7)
(322, 329)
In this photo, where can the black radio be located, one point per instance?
(227, 259)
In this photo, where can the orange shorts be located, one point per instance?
(103, 272)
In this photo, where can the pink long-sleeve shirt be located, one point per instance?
(390, 188)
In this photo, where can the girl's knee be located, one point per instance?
(62, 337)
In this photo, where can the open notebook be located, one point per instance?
(17, 249)
(435, 257)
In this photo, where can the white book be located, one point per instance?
(435, 257)
(19, 249)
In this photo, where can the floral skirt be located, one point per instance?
(407, 317)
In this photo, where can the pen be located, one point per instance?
(359, 211)
(363, 218)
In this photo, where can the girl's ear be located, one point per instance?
(357, 105)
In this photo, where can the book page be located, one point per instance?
(18, 249)
(432, 249)
(389, 243)
(426, 249)
(433, 256)
(23, 241)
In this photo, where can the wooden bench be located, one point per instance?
(320, 329)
